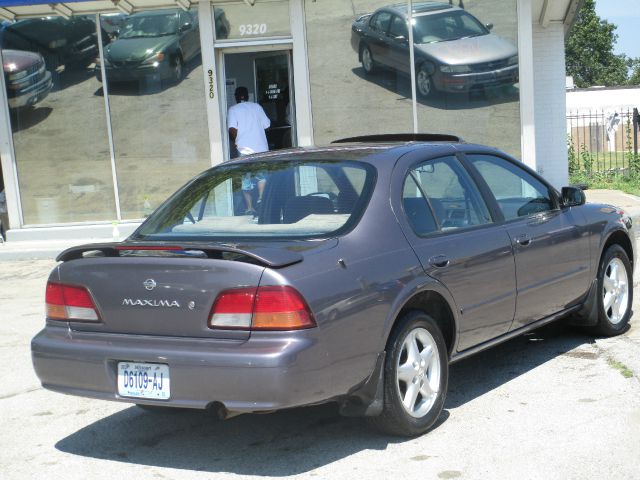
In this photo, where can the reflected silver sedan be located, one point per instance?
(454, 51)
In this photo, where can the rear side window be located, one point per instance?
(440, 194)
(518, 193)
(265, 199)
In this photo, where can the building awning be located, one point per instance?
(18, 9)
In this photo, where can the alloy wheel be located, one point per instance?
(418, 372)
(615, 291)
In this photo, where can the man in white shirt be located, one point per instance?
(247, 123)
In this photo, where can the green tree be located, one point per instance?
(589, 51)
(634, 66)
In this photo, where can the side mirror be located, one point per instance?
(489, 26)
(185, 27)
(572, 197)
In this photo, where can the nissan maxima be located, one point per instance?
(368, 268)
(454, 51)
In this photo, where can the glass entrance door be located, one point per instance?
(269, 80)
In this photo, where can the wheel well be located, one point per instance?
(434, 305)
(620, 238)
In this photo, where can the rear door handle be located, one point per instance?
(523, 240)
(439, 261)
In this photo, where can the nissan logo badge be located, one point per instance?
(149, 284)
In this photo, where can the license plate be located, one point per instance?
(144, 380)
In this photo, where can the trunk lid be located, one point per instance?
(168, 290)
(157, 296)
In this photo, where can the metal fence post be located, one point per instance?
(636, 121)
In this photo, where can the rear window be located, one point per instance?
(273, 199)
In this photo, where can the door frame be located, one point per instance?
(256, 47)
(212, 56)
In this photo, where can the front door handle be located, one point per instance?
(439, 261)
(523, 240)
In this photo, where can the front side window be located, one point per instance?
(380, 22)
(518, 193)
(265, 199)
(451, 195)
(398, 27)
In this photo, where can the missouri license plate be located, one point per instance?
(144, 380)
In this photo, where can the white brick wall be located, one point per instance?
(550, 103)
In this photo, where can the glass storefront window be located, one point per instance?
(467, 71)
(239, 21)
(158, 111)
(358, 69)
(58, 120)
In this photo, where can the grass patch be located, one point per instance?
(627, 184)
(621, 367)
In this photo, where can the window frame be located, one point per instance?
(480, 189)
(486, 190)
(366, 195)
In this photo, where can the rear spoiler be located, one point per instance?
(269, 257)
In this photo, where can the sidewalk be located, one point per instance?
(40, 249)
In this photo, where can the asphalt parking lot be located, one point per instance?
(553, 404)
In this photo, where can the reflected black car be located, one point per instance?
(61, 41)
(368, 268)
(454, 51)
(152, 45)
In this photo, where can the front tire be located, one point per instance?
(368, 64)
(177, 70)
(424, 82)
(615, 292)
(416, 376)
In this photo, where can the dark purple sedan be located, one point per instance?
(366, 270)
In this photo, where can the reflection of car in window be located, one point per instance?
(26, 77)
(454, 52)
(154, 44)
(61, 41)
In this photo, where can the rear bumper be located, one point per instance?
(267, 372)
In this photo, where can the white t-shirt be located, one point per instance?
(250, 121)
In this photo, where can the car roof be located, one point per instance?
(420, 8)
(374, 153)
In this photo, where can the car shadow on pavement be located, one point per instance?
(293, 441)
(481, 373)
(401, 85)
(28, 117)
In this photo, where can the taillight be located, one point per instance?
(262, 308)
(67, 302)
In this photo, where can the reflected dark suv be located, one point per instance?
(454, 51)
(26, 77)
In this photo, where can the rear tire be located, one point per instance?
(615, 292)
(416, 375)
